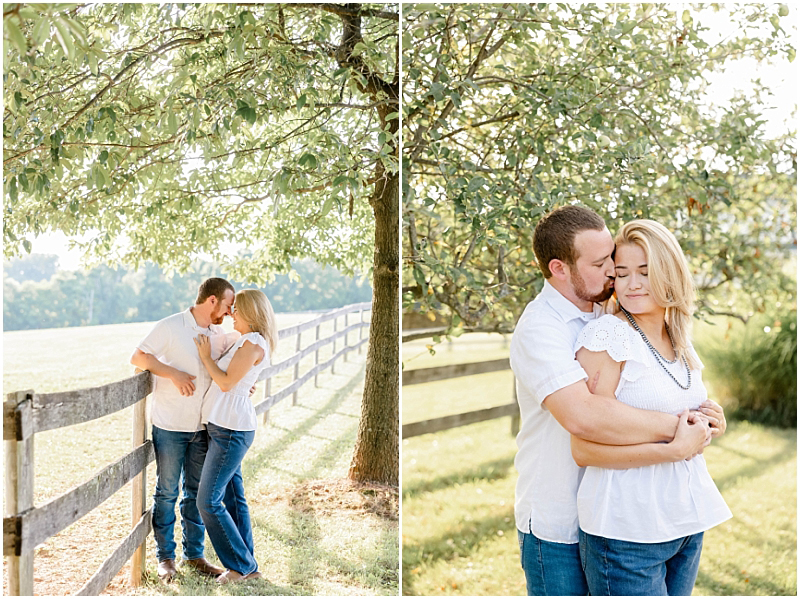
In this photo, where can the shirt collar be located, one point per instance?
(190, 322)
(565, 307)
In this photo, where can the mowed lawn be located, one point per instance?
(459, 535)
(314, 533)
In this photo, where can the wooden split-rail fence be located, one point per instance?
(26, 413)
(443, 423)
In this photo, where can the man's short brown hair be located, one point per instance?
(554, 236)
(213, 286)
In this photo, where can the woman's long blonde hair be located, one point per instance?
(255, 308)
(670, 278)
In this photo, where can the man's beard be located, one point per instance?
(580, 289)
(217, 318)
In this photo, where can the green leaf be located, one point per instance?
(12, 189)
(308, 160)
(100, 178)
(41, 31)
(475, 184)
(246, 112)
(301, 101)
(282, 181)
(15, 35)
(326, 207)
(339, 180)
(172, 123)
(92, 57)
(27, 245)
(64, 37)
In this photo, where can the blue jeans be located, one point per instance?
(551, 568)
(179, 463)
(228, 525)
(654, 569)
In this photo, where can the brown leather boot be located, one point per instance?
(166, 570)
(230, 576)
(202, 566)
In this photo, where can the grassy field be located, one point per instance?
(459, 535)
(314, 533)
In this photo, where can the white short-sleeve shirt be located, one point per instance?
(543, 360)
(661, 502)
(172, 342)
(234, 409)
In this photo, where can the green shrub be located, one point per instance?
(755, 371)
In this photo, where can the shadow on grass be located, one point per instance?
(261, 459)
(786, 452)
(487, 471)
(305, 534)
(764, 586)
(460, 542)
(308, 560)
(191, 584)
(753, 537)
(375, 568)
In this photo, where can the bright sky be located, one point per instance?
(780, 77)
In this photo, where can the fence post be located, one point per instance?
(335, 328)
(266, 395)
(296, 369)
(360, 330)
(19, 484)
(346, 335)
(138, 490)
(515, 420)
(316, 360)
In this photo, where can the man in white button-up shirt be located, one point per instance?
(574, 250)
(179, 440)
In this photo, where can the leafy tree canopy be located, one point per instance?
(162, 130)
(512, 110)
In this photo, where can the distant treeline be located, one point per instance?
(37, 295)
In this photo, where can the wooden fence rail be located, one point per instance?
(443, 423)
(26, 413)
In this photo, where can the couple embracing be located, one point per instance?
(613, 495)
(203, 424)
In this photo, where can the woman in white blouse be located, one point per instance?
(642, 512)
(230, 419)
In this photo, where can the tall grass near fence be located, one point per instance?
(459, 535)
(753, 367)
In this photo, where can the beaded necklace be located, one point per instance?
(659, 358)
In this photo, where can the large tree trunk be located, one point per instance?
(377, 452)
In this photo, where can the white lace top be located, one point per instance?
(233, 409)
(651, 504)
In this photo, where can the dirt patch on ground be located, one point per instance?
(328, 496)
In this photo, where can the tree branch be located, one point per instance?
(163, 48)
(346, 11)
(483, 54)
